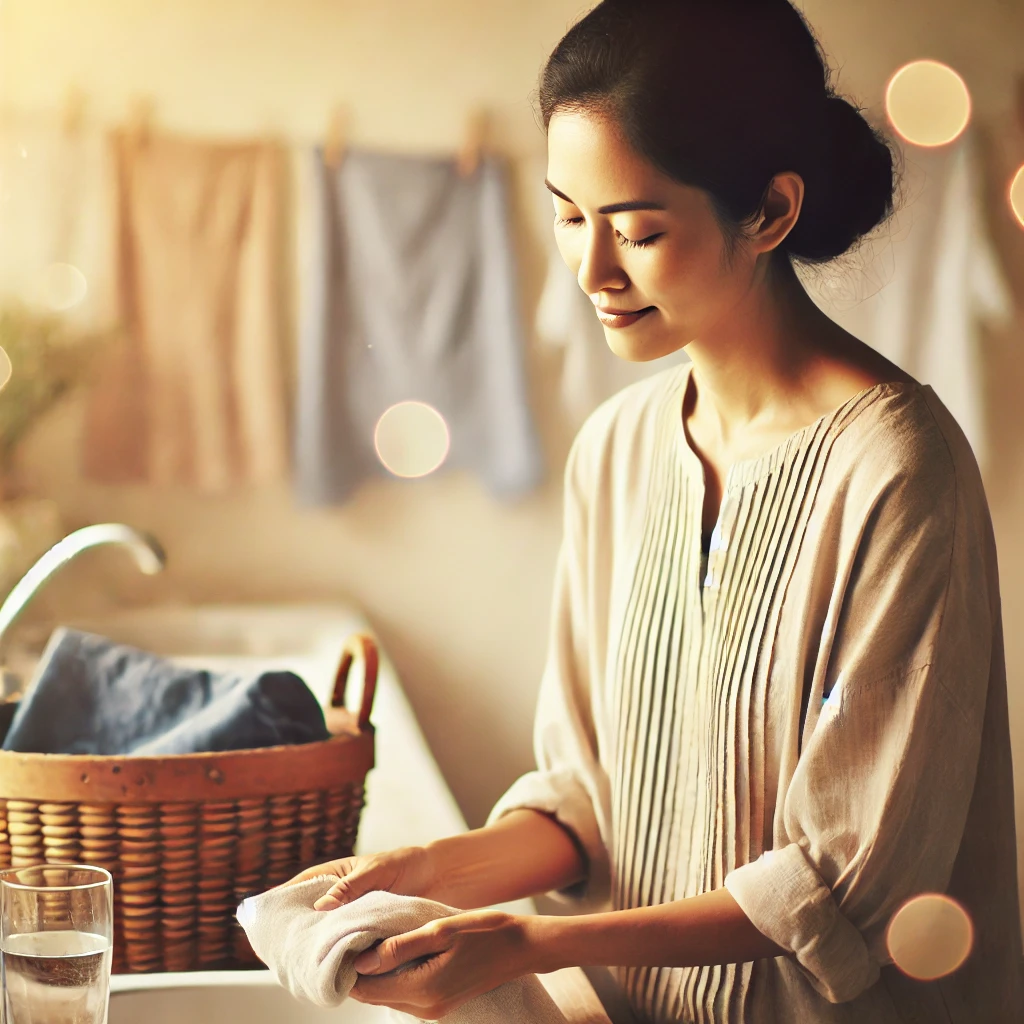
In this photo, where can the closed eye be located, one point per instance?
(639, 243)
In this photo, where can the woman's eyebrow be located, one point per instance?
(634, 204)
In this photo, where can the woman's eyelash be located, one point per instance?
(640, 243)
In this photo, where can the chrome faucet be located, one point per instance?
(149, 556)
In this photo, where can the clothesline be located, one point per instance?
(141, 120)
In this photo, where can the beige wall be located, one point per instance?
(457, 585)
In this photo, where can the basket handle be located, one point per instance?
(366, 647)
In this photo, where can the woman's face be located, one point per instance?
(647, 250)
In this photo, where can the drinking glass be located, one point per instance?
(56, 944)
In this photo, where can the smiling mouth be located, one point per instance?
(621, 317)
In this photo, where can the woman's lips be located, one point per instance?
(622, 317)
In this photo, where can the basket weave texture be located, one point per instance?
(186, 837)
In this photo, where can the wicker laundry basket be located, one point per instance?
(187, 836)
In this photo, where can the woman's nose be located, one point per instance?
(599, 268)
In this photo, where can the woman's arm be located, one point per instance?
(526, 853)
(522, 854)
(472, 953)
(706, 929)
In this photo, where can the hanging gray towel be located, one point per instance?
(410, 295)
(92, 696)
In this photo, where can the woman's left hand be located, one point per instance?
(469, 954)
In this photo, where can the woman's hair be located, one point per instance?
(722, 95)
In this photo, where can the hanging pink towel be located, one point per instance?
(194, 393)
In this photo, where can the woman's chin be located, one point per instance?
(638, 346)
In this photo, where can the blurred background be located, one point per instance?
(164, 213)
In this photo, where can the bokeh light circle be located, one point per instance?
(1017, 195)
(928, 103)
(63, 286)
(930, 936)
(5, 369)
(411, 439)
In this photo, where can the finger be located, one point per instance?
(392, 953)
(334, 867)
(291, 881)
(345, 890)
(411, 991)
(403, 1003)
(389, 990)
(330, 900)
(294, 880)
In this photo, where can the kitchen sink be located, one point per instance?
(253, 997)
(219, 998)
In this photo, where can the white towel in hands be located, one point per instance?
(311, 952)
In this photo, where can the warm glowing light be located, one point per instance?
(411, 439)
(930, 936)
(928, 103)
(5, 369)
(1017, 195)
(63, 286)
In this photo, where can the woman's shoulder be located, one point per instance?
(903, 439)
(633, 409)
(614, 449)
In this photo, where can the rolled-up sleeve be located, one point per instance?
(875, 810)
(569, 783)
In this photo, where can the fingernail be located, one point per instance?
(368, 962)
(327, 903)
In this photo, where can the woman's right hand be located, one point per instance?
(408, 871)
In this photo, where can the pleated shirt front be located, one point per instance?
(818, 722)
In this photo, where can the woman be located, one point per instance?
(775, 702)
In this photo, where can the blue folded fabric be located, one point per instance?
(92, 696)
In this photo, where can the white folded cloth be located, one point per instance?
(311, 952)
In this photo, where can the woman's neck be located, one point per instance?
(757, 368)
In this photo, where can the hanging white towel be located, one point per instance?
(928, 284)
(566, 320)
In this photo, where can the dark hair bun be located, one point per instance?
(848, 188)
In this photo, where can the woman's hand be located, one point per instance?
(467, 955)
(408, 871)
(524, 853)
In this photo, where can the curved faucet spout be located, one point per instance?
(149, 556)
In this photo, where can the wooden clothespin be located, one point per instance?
(473, 146)
(337, 137)
(74, 111)
(1020, 101)
(140, 120)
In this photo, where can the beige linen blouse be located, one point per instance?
(820, 725)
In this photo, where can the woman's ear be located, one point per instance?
(783, 200)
